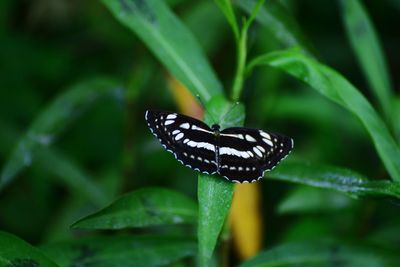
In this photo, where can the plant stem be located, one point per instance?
(240, 67)
(241, 53)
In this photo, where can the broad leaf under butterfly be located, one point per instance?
(239, 154)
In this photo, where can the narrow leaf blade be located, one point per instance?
(338, 179)
(323, 253)
(170, 41)
(126, 250)
(54, 119)
(277, 20)
(335, 87)
(215, 198)
(227, 9)
(142, 208)
(366, 45)
(16, 252)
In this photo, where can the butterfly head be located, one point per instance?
(215, 128)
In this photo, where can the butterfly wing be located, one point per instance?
(245, 153)
(190, 140)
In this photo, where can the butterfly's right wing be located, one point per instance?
(190, 140)
(245, 153)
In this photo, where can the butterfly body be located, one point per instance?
(239, 154)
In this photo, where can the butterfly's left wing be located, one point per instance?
(190, 140)
(245, 153)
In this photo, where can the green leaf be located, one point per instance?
(332, 85)
(310, 199)
(396, 118)
(54, 119)
(214, 192)
(170, 41)
(226, 114)
(16, 252)
(366, 45)
(226, 8)
(142, 208)
(279, 23)
(109, 251)
(323, 253)
(215, 198)
(339, 179)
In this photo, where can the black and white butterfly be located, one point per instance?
(239, 154)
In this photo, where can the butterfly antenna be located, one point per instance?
(205, 108)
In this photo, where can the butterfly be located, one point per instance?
(239, 154)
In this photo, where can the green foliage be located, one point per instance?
(170, 41)
(143, 208)
(126, 250)
(16, 252)
(368, 50)
(275, 18)
(332, 85)
(342, 180)
(323, 253)
(54, 119)
(66, 153)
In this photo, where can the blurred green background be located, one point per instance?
(54, 52)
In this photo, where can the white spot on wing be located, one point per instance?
(239, 136)
(250, 138)
(257, 151)
(205, 145)
(261, 148)
(168, 122)
(264, 134)
(194, 127)
(185, 125)
(235, 152)
(179, 136)
(269, 142)
(171, 116)
(176, 132)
